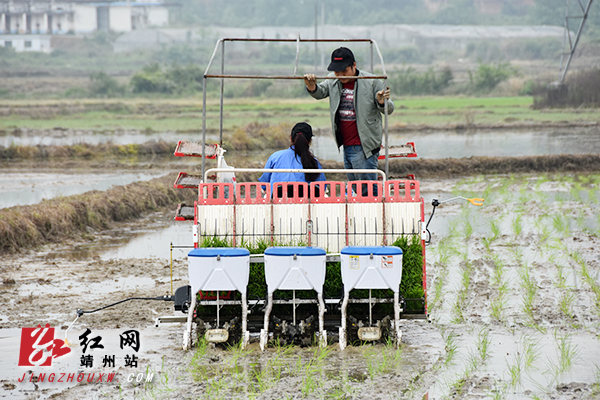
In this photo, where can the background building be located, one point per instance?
(21, 18)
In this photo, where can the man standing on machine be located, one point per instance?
(356, 106)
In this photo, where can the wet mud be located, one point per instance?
(513, 296)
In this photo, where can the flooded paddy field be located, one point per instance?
(513, 297)
(513, 286)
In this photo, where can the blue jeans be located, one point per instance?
(354, 158)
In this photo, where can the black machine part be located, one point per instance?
(434, 203)
(183, 298)
(80, 312)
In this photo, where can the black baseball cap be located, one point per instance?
(340, 59)
(302, 128)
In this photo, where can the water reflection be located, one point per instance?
(67, 138)
(490, 143)
(430, 144)
(24, 188)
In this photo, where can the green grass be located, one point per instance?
(161, 114)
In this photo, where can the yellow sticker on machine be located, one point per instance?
(354, 262)
(387, 262)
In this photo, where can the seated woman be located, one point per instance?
(297, 156)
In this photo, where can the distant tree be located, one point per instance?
(103, 85)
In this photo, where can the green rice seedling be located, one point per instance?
(576, 191)
(515, 370)
(473, 361)
(517, 225)
(565, 302)
(531, 349)
(483, 343)
(541, 179)
(343, 390)
(524, 197)
(310, 381)
(498, 276)
(450, 347)
(258, 380)
(468, 229)
(411, 284)
(461, 298)
(495, 227)
(530, 287)
(595, 387)
(567, 351)
(561, 280)
(438, 289)
(459, 385)
(214, 241)
(486, 243)
(453, 227)
(497, 306)
(497, 392)
(592, 195)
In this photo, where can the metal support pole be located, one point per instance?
(385, 118)
(218, 310)
(316, 53)
(297, 56)
(221, 101)
(171, 248)
(204, 125)
(573, 46)
(371, 48)
(370, 310)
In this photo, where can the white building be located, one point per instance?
(51, 17)
(27, 42)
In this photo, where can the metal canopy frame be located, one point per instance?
(572, 45)
(222, 76)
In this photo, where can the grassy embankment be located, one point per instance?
(184, 115)
(54, 220)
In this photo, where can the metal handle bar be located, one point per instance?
(292, 77)
(310, 171)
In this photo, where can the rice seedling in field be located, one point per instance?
(531, 349)
(495, 227)
(497, 307)
(450, 347)
(438, 288)
(530, 287)
(468, 229)
(483, 344)
(565, 302)
(566, 352)
(460, 303)
(596, 384)
(517, 225)
(561, 225)
(592, 195)
(576, 191)
(515, 370)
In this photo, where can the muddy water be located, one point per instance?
(496, 143)
(430, 144)
(66, 138)
(23, 188)
(465, 353)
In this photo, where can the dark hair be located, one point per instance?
(301, 136)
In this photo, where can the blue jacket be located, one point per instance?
(286, 159)
(368, 110)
